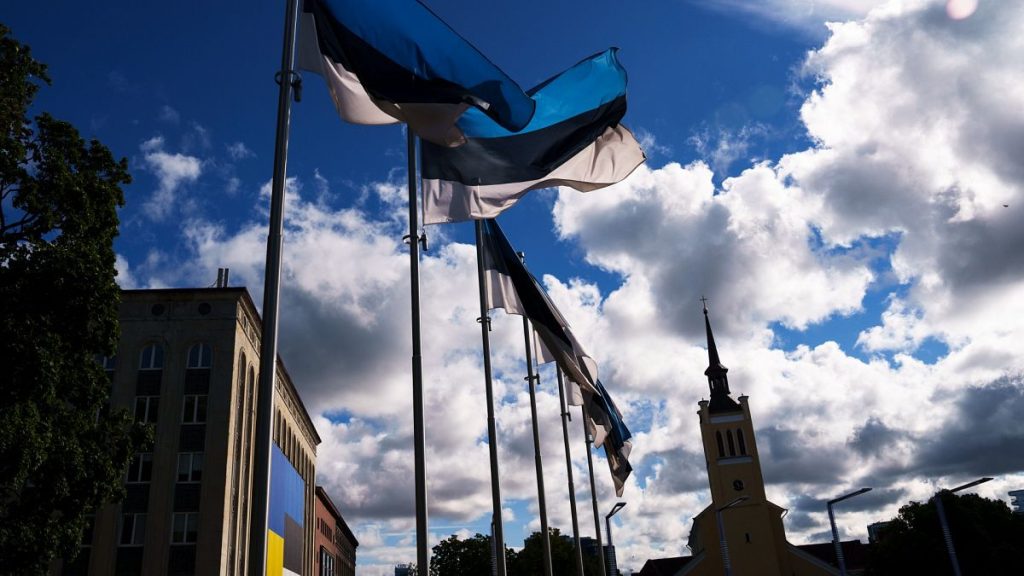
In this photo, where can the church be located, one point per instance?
(741, 531)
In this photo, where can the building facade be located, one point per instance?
(187, 364)
(334, 542)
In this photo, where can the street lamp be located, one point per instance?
(945, 525)
(721, 533)
(612, 569)
(835, 533)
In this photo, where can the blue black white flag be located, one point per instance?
(388, 61)
(574, 139)
(509, 285)
(605, 423)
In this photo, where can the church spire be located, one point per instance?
(718, 379)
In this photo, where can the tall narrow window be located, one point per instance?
(200, 356)
(141, 468)
(194, 409)
(732, 445)
(133, 529)
(190, 467)
(721, 448)
(741, 441)
(185, 528)
(146, 409)
(152, 357)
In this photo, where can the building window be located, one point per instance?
(141, 468)
(185, 528)
(732, 444)
(109, 363)
(152, 357)
(200, 356)
(721, 447)
(194, 409)
(146, 409)
(741, 441)
(190, 467)
(133, 529)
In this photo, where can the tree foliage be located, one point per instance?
(62, 453)
(987, 536)
(472, 557)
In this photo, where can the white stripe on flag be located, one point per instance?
(609, 159)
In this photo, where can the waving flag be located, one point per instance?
(574, 139)
(509, 285)
(389, 61)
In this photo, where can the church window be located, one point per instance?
(732, 444)
(721, 448)
(741, 441)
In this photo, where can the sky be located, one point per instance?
(841, 179)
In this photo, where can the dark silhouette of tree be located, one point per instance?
(470, 557)
(62, 453)
(987, 535)
(530, 560)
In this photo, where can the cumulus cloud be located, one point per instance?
(172, 172)
(915, 140)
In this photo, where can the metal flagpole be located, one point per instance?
(288, 80)
(532, 379)
(414, 239)
(492, 431)
(568, 467)
(593, 490)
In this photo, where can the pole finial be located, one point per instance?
(705, 302)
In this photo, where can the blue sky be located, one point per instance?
(837, 192)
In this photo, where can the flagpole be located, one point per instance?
(568, 467)
(538, 464)
(287, 80)
(492, 432)
(593, 488)
(422, 545)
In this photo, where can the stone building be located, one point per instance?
(334, 542)
(187, 363)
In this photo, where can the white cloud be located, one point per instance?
(239, 151)
(916, 140)
(172, 172)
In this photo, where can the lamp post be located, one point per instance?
(835, 533)
(945, 525)
(612, 569)
(721, 533)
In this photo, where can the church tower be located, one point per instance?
(734, 469)
(741, 529)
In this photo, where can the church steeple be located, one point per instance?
(718, 378)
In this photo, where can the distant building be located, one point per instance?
(403, 569)
(752, 525)
(875, 529)
(187, 363)
(1017, 500)
(334, 542)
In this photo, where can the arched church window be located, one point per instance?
(732, 445)
(741, 441)
(721, 448)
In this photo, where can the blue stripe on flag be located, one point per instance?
(590, 84)
(412, 37)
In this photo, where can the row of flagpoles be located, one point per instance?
(484, 143)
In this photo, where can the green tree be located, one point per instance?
(530, 560)
(470, 557)
(988, 536)
(62, 453)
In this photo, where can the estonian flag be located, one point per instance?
(574, 139)
(509, 285)
(389, 61)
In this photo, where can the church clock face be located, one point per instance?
(737, 485)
